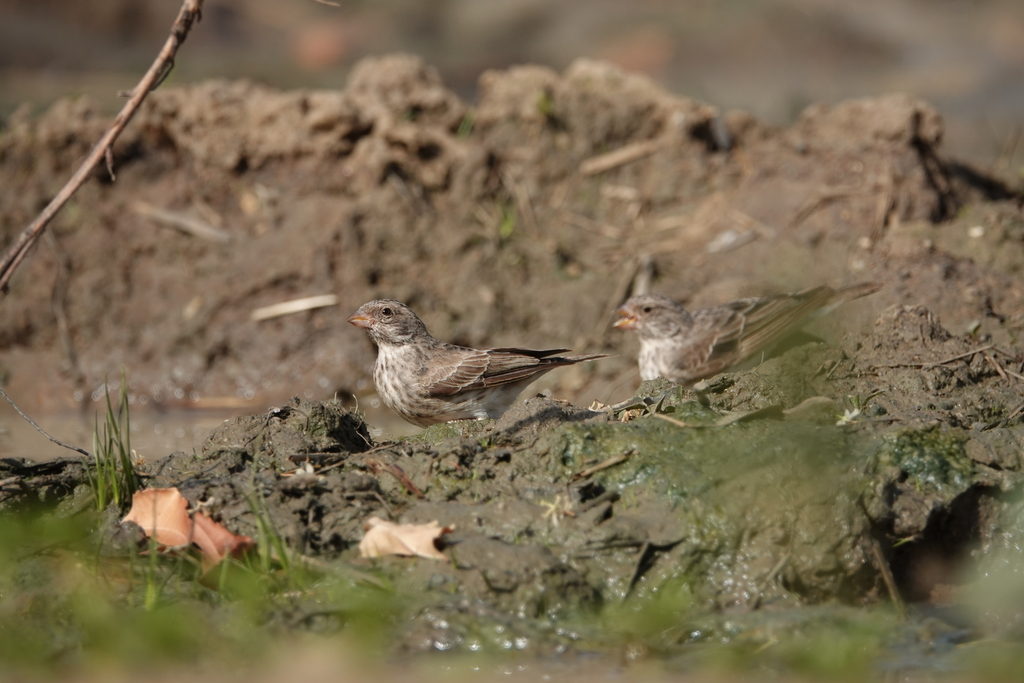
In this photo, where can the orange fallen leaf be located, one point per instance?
(163, 516)
(216, 542)
(388, 538)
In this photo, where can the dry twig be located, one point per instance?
(755, 599)
(823, 197)
(294, 306)
(610, 462)
(887, 577)
(191, 12)
(182, 222)
(618, 157)
(398, 473)
(933, 364)
(679, 423)
(43, 431)
(995, 364)
(1014, 413)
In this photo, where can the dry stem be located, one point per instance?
(191, 11)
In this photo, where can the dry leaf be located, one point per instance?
(163, 516)
(216, 542)
(388, 538)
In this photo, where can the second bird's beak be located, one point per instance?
(359, 320)
(627, 321)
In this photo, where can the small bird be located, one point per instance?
(426, 380)
(686, 347)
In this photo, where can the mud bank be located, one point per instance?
(865, 481)
(523, 219)
(769, 505)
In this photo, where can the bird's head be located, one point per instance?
(389, 322)
(653, 316)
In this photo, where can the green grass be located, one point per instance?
(113, 479)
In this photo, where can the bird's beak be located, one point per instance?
(627, 321)
(359, 320)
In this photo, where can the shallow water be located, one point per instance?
(154, 434)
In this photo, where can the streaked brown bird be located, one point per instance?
(426, 380)
(686, 347)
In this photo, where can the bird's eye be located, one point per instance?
(647, 309)
(386, 312)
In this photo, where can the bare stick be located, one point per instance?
(179, 221)
(755, 600)
(887, 577)
(43, 431)
(677, 423)
(999, 368)
(294, 306)
(1015, 412)
(932, 364)
(610, 462)
(191, 11)
(618, 157)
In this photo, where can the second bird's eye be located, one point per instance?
(386, 312)
(647, 309)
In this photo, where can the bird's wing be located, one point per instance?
(513, 365)
(475, 369)
(765, 320)
(725, 335)
(454, 369)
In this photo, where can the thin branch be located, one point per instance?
(398, 473)
(994, 363)
(1014, 413)
(678, 423)
(308, 303)
(618, 157)
(932, 364)
(755, 600)
(191, 12)
(182, 222)
(43, 431)
(887, 577)
(610, 462)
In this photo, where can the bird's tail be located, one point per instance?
(852, 292)
(580, 357)
(849, 293)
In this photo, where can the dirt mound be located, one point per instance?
(522, 220)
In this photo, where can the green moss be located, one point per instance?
(933, 459)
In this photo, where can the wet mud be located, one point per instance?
(872, 465)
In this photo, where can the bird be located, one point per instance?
(685, 347)
(426, 380)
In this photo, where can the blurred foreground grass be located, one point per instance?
(69, 608)
(81, 598)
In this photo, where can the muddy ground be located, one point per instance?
(487, 220)
(875, 463)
